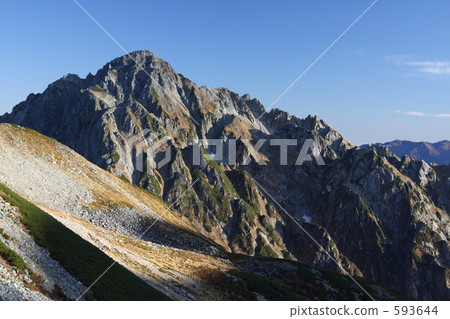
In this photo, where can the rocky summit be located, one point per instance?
(240, 182)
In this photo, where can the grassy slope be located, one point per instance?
(12, 257)
(81, 259)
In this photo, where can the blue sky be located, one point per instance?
(387, 78)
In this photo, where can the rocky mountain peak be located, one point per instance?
(135, 60)
(71, 77)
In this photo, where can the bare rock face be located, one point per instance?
(378, 216)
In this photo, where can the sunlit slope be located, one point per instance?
(54, 176)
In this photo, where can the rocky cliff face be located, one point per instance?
(377, 215)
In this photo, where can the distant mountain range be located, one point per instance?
(438, 152)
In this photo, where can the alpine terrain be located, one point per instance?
(158, 188)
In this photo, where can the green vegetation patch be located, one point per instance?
(124, 178)
(267, 251)
(155, 96)
(97, 88)
(116, 157)
(208, 228)
(220, 202)
(12, 257)
(152, 123)
(149, 182)
(229, 189)
(273, 233)
(81, 259)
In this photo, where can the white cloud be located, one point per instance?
(415, 113)
(412, 113)
(424, 67)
